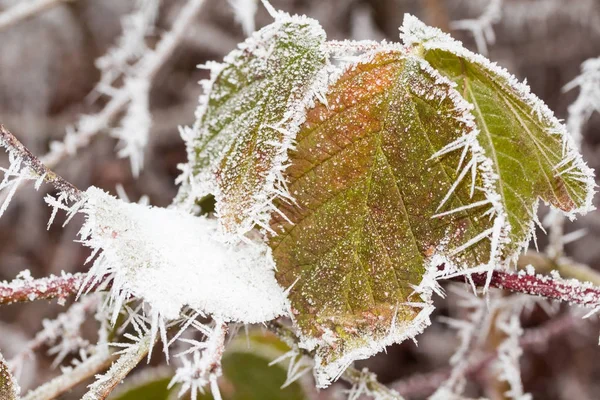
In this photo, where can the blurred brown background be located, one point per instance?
(47, 71)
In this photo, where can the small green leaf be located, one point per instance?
(247, 374)
(364, 226)
(248, 119)
(152, 384)
(9, 390)
(532, 153)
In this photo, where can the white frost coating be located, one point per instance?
(171, 259)
(197, 185)
(481, 27)
(414, 33)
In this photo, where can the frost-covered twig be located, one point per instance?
(244, 12)
(551, 287)
(509, 353)
(204, 367)
(143, 71)
(33, 169)
(481, 27)
(65, 382)
(129, 359)
(421, 385)
(64, 332)
(52, 287)
(26, 9)
(588, 99)
(566, 267)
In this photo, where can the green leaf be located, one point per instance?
(9, 389)
(247, 374)
(531, 151)
(363, 228)
(152, 384)
(246, 123)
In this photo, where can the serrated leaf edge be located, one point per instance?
(414, 33)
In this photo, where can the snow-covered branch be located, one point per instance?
(25, 166)
(588, 100)
(26, 9)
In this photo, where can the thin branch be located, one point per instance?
(104, 385)
(421, 385)
(52, 287)
(26, 9)
(481, 27)
(37, 167)
(64, 332)
(570, 291)
(145, 69)
(66, 382)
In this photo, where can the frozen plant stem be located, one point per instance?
(66, 382)
(35, 165)
(145, 70)
(119, 370)
(20, 291)
(422, 385)
(570, 291)
(26, 9)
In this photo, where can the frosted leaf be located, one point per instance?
(171, 259)
(375, 213)
(9, 389)
(532, 153)
(247, 120)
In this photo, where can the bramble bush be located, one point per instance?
(330, 187)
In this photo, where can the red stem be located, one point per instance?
(571, 291)
(19, 291)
